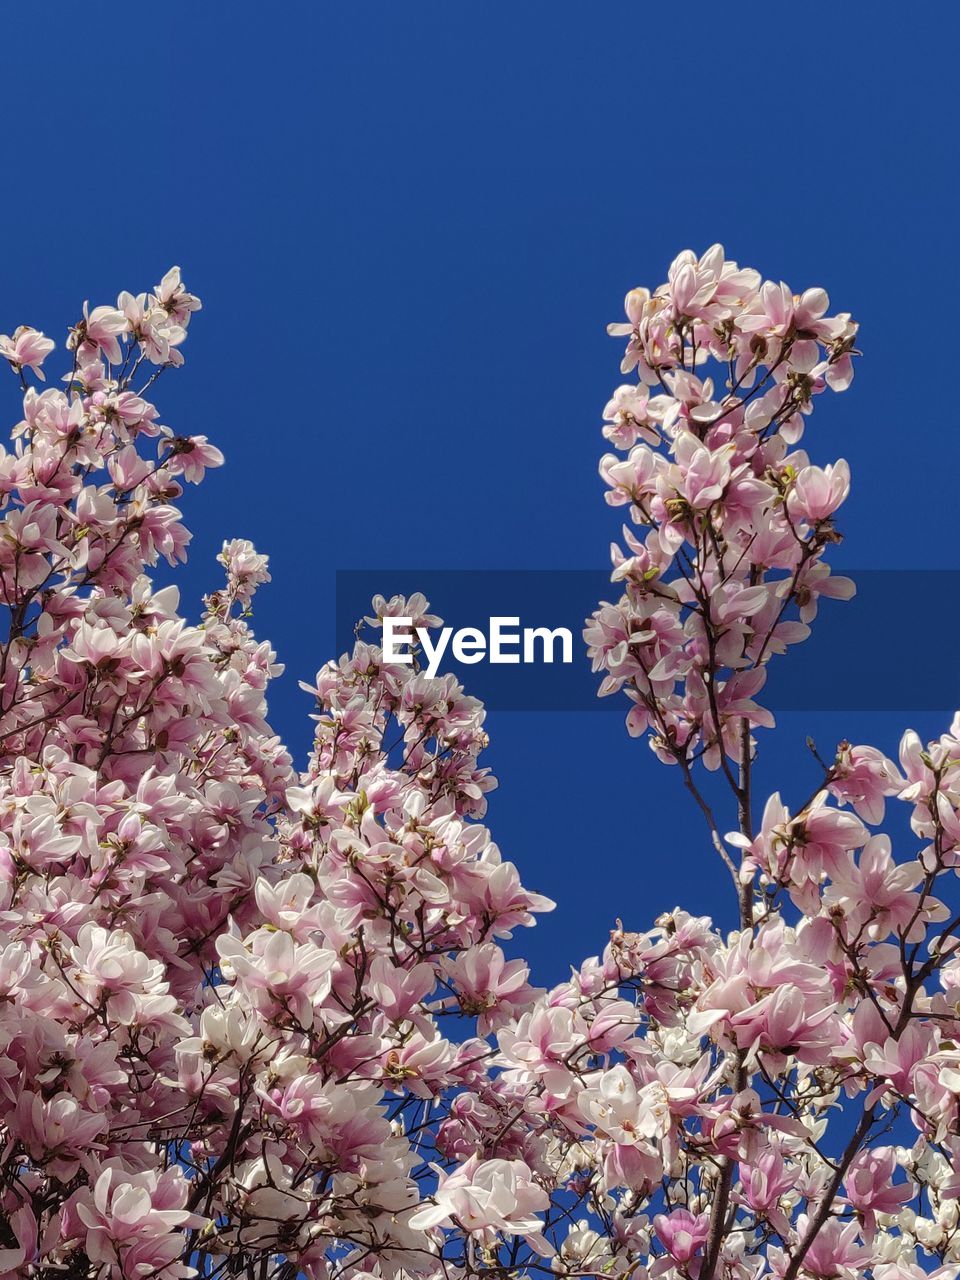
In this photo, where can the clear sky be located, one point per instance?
(410, 223)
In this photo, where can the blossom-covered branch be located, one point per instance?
(261, 1023)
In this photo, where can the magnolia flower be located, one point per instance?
(628, 1114)
(681, 1233)
(487, 1197)
(133, 1220)
(817, 492)
(246, 568)
(27, 349)
(99, 331)
(173, 297)
(57, 1133)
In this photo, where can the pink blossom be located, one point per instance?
(486, 1197)
(27, 349)
(817, 492)
(869, 1187)
(682, 1234)
(99, 332)
(131, 1221)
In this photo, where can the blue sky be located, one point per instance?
(409, 225)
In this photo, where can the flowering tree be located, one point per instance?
(255, 1023)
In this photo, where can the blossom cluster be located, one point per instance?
(730, 569)
(267, 1023)
(222, 984)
